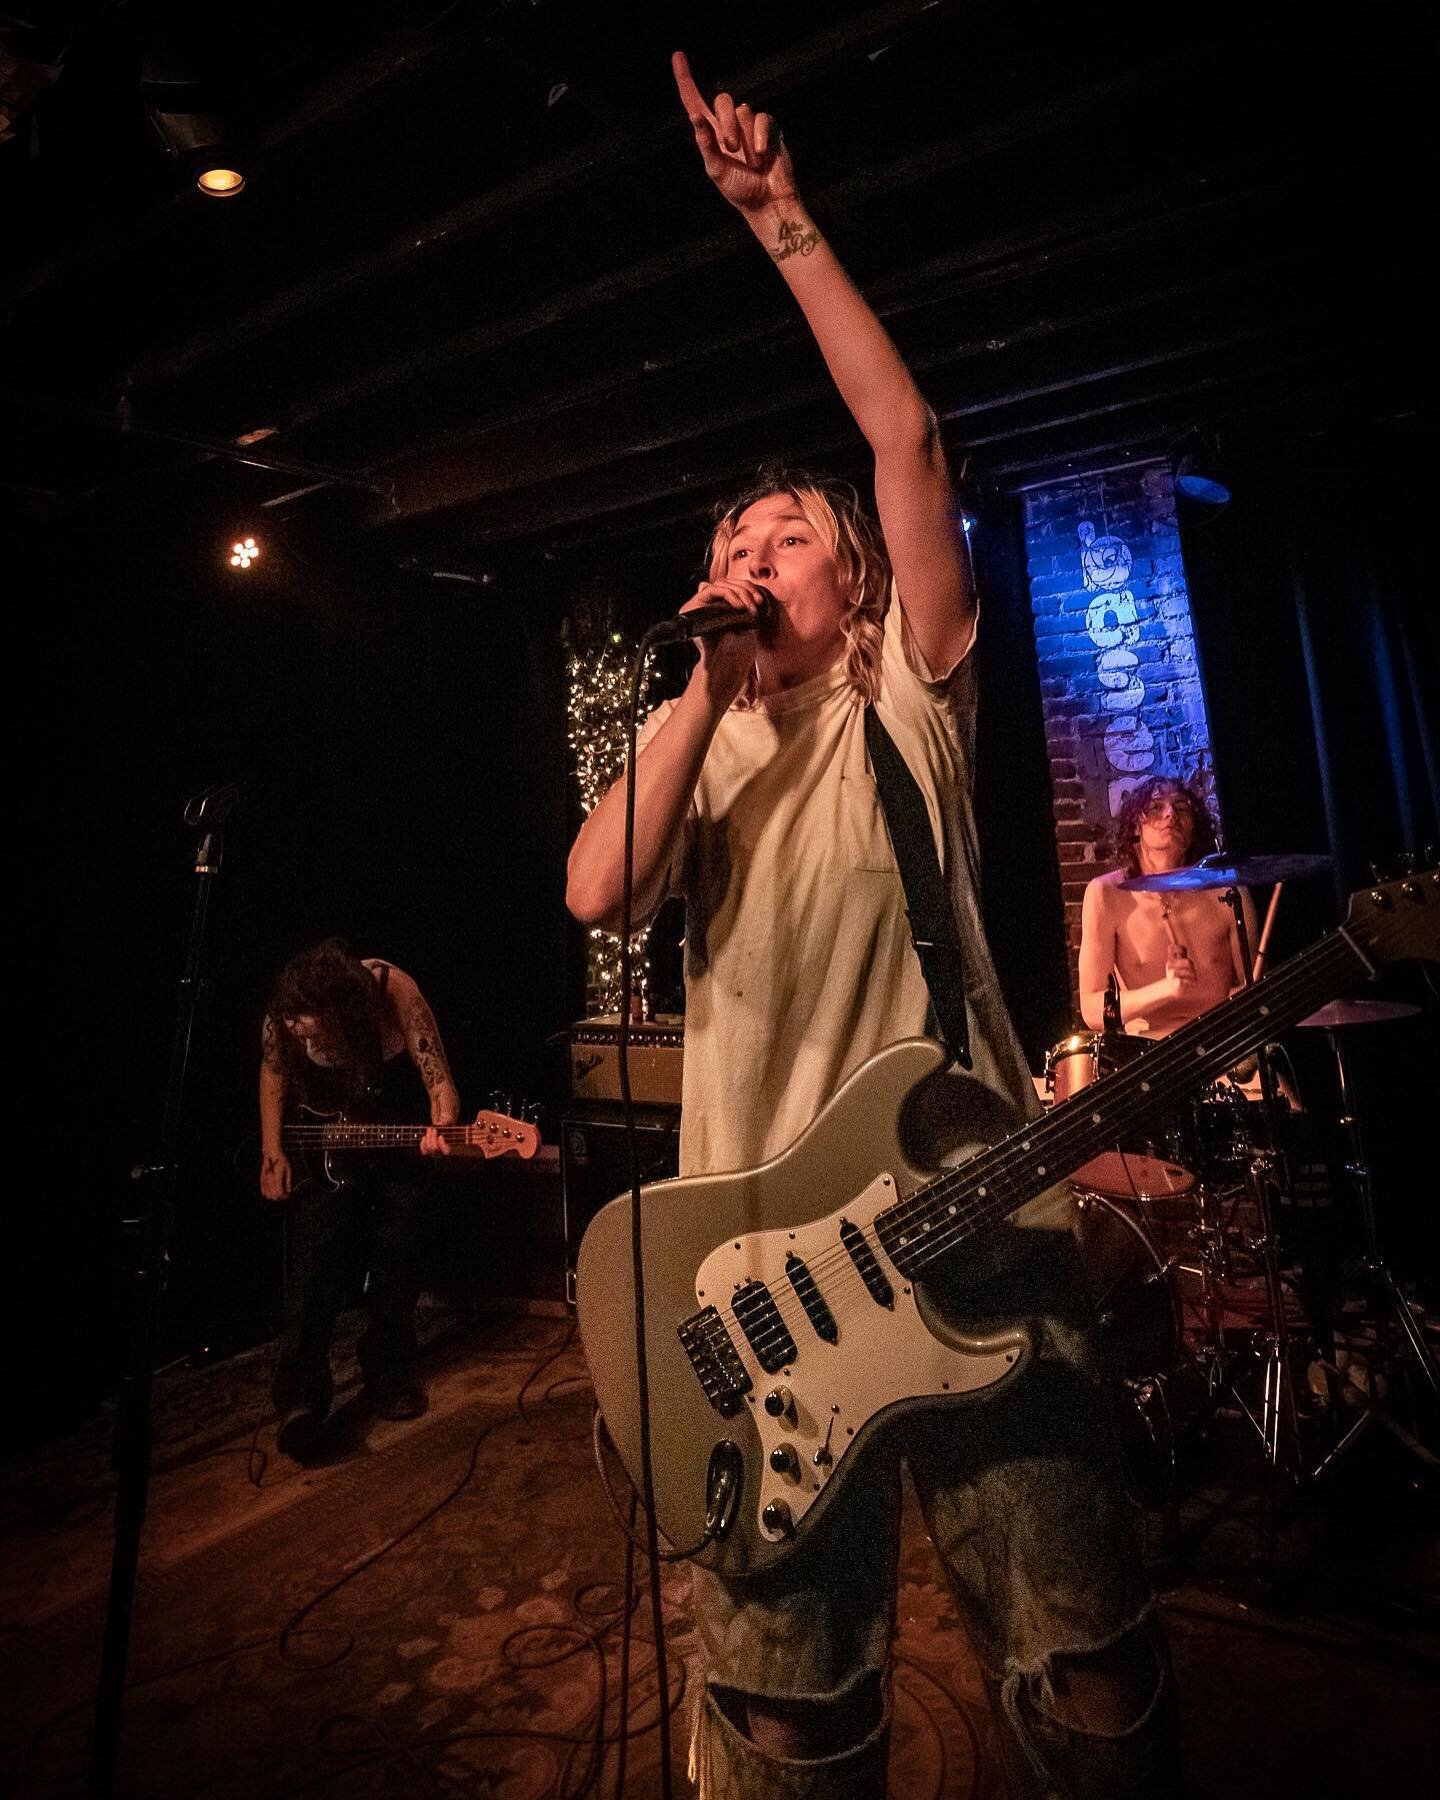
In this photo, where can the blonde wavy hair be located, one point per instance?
(832, 510)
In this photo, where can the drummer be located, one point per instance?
(1174, 955)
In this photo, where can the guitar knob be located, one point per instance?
(780, 1403)
(775, 1517)
(784, 1461)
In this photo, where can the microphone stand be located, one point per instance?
(145, 1237)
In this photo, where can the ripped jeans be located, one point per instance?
(1023, 1498)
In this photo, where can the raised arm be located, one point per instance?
(744, 154)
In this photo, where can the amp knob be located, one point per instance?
(775, 1517)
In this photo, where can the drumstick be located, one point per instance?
(1265, 931)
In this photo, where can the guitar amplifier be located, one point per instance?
(595, 1166)
(657, 1056)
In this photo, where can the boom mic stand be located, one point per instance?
(146, 1235)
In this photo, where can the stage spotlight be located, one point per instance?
(244, 553)
(1201, 478)
(185, 106)
(214, 178)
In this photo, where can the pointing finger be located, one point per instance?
(690, 96)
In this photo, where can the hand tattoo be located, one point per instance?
(272, 1163)
(795, 240)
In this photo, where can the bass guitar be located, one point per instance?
(785, 1320)
(319, 1142)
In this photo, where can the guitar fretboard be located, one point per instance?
(953, 1208)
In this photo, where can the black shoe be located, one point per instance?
(404, 1403)
(301, 1433)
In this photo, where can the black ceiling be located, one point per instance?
(477, 267)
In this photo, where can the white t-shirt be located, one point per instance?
(798, 961)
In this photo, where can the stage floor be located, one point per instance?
(434, 1608)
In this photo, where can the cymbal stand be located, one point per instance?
(1383, 1285)
(1277, 1425)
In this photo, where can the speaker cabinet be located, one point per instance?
(595, 1167)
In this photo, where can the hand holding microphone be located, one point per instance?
(718, 615)
(722, 621)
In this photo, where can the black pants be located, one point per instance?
(372, 1227)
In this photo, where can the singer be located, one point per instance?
(757, 801)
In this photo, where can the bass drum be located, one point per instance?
(1139, 1326)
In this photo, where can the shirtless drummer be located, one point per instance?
(1175, 955)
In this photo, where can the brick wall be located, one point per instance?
(1118, 677)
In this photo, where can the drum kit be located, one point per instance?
(1195, 1245)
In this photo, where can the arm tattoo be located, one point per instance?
(272, 1163)
(426, 1050)
(795, 240)
(270, 1044)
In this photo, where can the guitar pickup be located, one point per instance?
(715, 1360)
(760, 1320)
(810, 1297)
(863, 1257)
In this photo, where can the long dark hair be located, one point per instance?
(1125, 833)
(330, 983)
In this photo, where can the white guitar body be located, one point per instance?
(707, 1237)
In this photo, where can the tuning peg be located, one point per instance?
(1407, 861)
(1378, 875)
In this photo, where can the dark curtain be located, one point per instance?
(1315, 618)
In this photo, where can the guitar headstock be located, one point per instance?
(1393, 920)
(497, 1134)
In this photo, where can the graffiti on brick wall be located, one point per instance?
(1113, 623)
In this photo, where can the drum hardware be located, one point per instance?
(1275, 1418)
(1385, 1293)
(1139, 1328)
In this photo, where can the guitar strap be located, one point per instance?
(932, 922)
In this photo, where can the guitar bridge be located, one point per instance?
(715, 1361)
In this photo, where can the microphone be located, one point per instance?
(706, 620)
(213, 807)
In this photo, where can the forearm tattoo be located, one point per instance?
(795, 240)
(270, 1045)
(425, 1045)
(272, 1163)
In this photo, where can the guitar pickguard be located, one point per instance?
(810, 1409)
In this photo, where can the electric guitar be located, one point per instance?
(784, 1316)
(317, 1139)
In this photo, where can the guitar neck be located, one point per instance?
(955, 1207)
(352, 1135)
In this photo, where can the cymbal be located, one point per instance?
(1341, 1013)
(1222, 872)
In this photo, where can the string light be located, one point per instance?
(244, 553)
(596, 707)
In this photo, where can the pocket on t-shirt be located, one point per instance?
(867, 839)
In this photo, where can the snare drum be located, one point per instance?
(1085, 1057)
